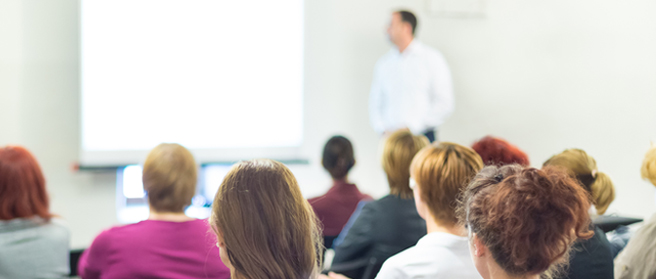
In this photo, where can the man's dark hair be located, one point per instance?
(338, 157)
(409, 18)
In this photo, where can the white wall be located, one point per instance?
(546, 75)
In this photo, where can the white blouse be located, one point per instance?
(436, 255)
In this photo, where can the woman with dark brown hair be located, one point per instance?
(523, 221)
(336, 206)
(33, 244)
(265, 228)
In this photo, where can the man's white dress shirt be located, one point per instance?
(436, 255)
(411, 89)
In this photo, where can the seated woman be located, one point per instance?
(498, 152)
(391, 224)
(441, 173)
(167, 245)
(636, 261)
(33, 244)
(592, 258)
(522, 221)
(336, 206)
(265, 228)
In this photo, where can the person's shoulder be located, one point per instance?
(401, 264)
(365, 197)
(385, 58)
(427, 49)
(58, 229)
(323, 203)
(437, 260)
(394, 201)
(388, 55)
(121, 231)
(430, 53)
(407, 256)
(318, 199)
(377, 204)
(650, 226)
(379, 208)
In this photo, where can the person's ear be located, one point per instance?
(479, 248)
(408, 27)
(220, 241)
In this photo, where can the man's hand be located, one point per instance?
(332, 275)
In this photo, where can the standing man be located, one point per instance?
(412, 83)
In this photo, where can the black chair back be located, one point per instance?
(74, 258)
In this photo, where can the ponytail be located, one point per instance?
(584, 168)
(603, 192)
(648, 169)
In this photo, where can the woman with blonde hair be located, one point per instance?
(391, 224)
(265, 228)
(522, 221)
(167, 245)
(638, 259)
(440, 172)
(584, 168)
(592, 258)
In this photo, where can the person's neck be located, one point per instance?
(341, 181)
(404, 43)
(433, 226)
(496, 272)
(504, 275)
(168, 216)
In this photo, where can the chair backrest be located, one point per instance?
(74, 256)
(373, 267)
(609, 223)
(366, 268)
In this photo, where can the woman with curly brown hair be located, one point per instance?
(523, 221)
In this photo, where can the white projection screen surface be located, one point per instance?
(222, 78)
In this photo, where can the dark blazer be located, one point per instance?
(591, 258)
(385, 227)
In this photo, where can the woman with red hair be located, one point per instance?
(498, 152)
(32, 243)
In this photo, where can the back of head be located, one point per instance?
(496, 151)
(442, 171)
(399, 149)
(268, 228)
(410, 18)
(338, 157)
(169, 177)
(526, 217)
(22, 185)
(648, 169)
(584, 168)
